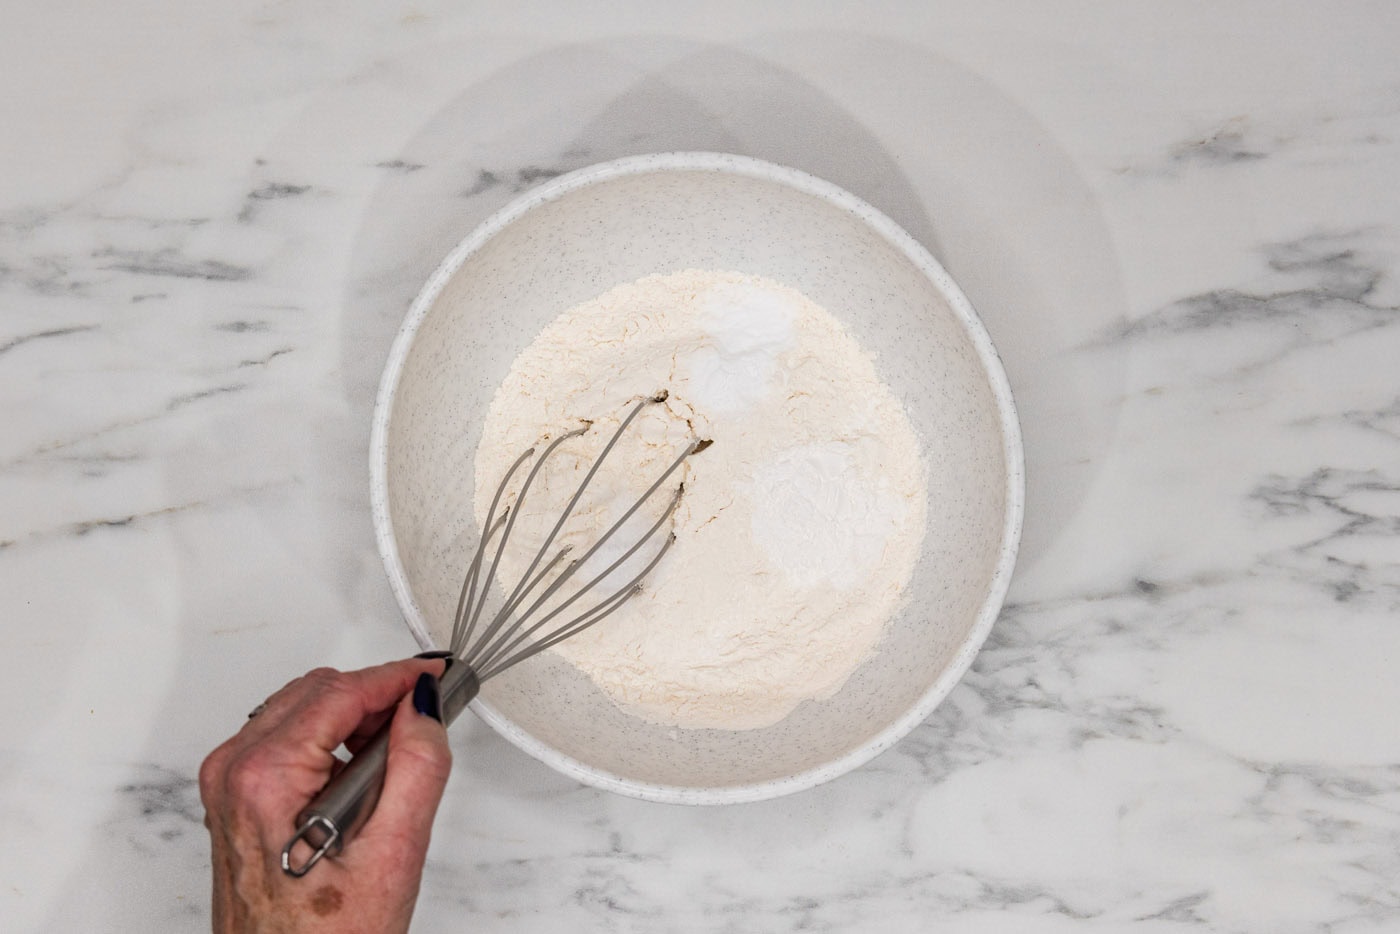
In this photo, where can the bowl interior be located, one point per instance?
(576, 241)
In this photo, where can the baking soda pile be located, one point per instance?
(798, 528)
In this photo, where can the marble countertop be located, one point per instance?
(1181, 224)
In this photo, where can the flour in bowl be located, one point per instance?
(799, 526)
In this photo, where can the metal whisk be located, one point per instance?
(482, 647)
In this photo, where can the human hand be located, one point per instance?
(254, 785)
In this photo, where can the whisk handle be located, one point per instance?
(338, 812)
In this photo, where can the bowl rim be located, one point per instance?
(897, 237)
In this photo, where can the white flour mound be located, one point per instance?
(797, 530)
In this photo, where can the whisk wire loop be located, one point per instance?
(461, 629)
(594, 615)
(520, 500)
(573, 567)
(501, 642)
(511, 515)
(483, 660)
(512, 600)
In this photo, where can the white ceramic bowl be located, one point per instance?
(573, 239)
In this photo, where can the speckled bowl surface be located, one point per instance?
(573, 239)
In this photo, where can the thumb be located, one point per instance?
(414, 778)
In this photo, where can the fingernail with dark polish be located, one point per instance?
(447, 657)
(427, 698)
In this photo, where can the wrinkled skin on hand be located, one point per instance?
(254, 785)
